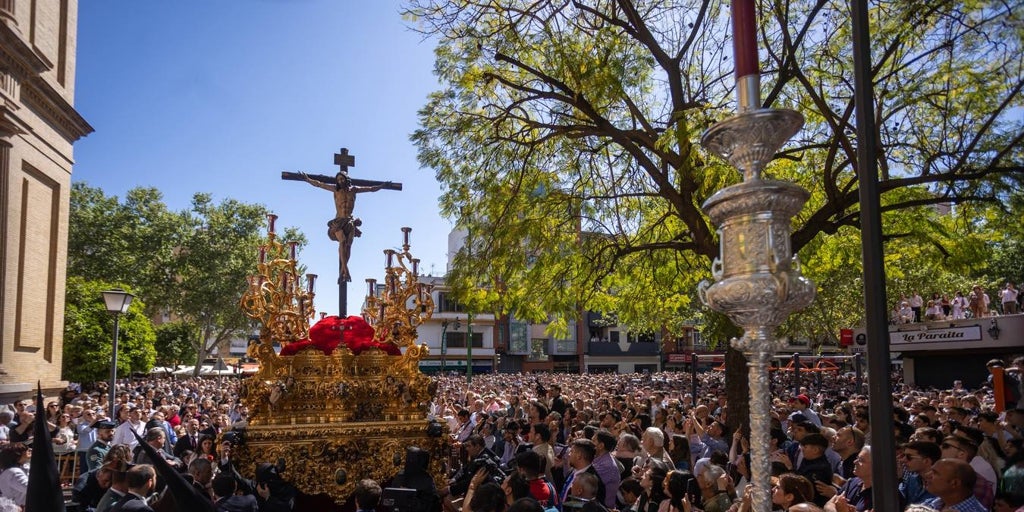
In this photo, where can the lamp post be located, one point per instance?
(469, 348)
(117, 302)
(444, 343)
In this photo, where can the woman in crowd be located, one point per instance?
(207, 447)
(679, 451)
(677, 487)
(1013, 472)
(653, 482)
(63, 435)
(792, 489)
(14, 472)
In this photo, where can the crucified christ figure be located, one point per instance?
(344, 227)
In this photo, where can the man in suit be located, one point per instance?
(581, 460)
(189, 441)
(141, 481)
(156, 438)
(583, 494)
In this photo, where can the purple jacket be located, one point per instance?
(608, 471)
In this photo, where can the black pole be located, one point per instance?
(444, 344)
(858, 382)
(113, 370)
(883, 447)
(693, 378)
(796, 374)
(342, 295)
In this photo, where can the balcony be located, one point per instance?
(604, 348)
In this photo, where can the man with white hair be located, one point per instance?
(653, 443)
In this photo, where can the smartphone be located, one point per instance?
(562, 449)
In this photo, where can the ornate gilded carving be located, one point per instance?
(337, 418)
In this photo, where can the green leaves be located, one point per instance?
(89, 334)
(189, 265)
(565, 137)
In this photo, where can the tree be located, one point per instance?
(174, 343)
(131, 242)
(562, 117)
(190, 264)
(89, 334)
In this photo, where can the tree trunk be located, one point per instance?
(736, 390)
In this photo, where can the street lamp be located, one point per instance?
(469, 348)
(117, 302)
(444, 343)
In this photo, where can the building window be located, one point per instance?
(538, 350)
(458, 339)
(447, 304)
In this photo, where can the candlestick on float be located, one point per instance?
(744, 44)
(750, 258)
(405, 238)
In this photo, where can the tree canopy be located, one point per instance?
(189, 265)
(89, 334)
(565, 137)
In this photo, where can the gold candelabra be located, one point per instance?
(388, 310)
(277, 297)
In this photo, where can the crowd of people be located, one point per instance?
(975, 304)
(559, 442)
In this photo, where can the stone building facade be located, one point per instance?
(38, 126)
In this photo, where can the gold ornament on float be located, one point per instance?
(336, 419)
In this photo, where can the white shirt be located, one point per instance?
(984, 469)
(1008, 295)
(14, 484)
(123, 434)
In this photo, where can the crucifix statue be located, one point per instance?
(344, 228)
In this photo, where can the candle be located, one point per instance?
(744, 37)
(293, 246)
(415, 266)
(371, 287)
(405, 237)
(390, 257)
(271, 218)
(310, 279)
(263, 254)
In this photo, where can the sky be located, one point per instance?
(220, 97)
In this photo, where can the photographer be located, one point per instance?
(273, 493)
(479, 458)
